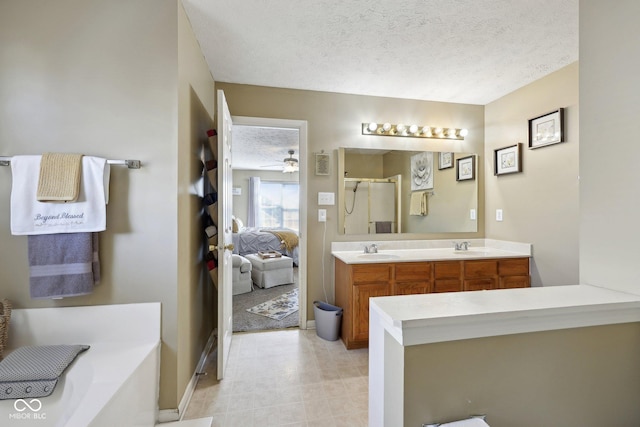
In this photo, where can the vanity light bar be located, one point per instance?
(414, 131)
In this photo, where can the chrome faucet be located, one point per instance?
(462, 246)
(372, 249)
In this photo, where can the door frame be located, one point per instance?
(301, 125)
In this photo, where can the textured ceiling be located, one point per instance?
(262, 148)
(463, 51)
(466, 51)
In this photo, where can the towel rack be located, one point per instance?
(131, 164)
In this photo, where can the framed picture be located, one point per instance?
(547, 129)
(445, 160)
(322, 163)
(422, 171)
(507, 160)
(466, 168)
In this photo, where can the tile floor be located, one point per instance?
(285, 378)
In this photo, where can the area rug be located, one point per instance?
(277, 308)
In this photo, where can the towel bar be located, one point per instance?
(131, 164)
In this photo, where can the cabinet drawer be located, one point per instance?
(413, 271)
(509, 282)
(513, 267)
(444, 270)
(479, 284)
(412, 288)
(367, 273)
(447, 285)
(473, 269)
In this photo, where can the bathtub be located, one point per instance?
(114, 383)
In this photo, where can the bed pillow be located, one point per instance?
(236, 225)
(34, 371)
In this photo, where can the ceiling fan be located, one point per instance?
(289, 165)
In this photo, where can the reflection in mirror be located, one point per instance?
(394, 191)
(372, 205)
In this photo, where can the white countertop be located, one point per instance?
(427, 250)
(429, 318)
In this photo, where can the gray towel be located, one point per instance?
(383, 226)
(63, 265)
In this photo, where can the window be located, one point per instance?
(279, 205)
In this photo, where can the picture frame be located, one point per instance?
(323, 160)
(422, 171)
(466, 168)
(445, 160)
(507, 160)
(547, 129)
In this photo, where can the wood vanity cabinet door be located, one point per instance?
(480, 275)
(447, 276)
(361, 294)
(369, 280)
(412, 278)
(514, 273)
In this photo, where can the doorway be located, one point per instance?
(273, 151)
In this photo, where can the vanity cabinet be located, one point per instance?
(447, 276)
(372, 280)
(356, 283)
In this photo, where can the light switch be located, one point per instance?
(326, 198)
(472, 215)
(322, 215)
(498, 214)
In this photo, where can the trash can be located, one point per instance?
(328, 319)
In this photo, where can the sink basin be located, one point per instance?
(378, 256)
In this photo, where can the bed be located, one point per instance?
(250, 240)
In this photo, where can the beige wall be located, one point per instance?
(101, 78)
(540, 205)
(609, 111)
(584, 377)
(196, 294)
(334, 121)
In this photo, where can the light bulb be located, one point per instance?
(372, 127)
(386, 127)
(413, 129)
(438, 131)
(400, 128)
(451, 133)
(426, 131)
(464, 132)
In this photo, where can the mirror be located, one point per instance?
(395, 191)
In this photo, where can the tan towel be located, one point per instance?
(59, 179)
(419, 203)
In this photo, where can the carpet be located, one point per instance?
(278, 308)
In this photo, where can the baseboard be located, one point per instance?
(169, 415)
(311, 324)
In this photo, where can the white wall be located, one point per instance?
(609, 111)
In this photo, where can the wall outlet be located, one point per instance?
(322, 215)
(326, 198)
(498, 214)
(472, 214)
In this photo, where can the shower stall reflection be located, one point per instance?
(371, 205)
